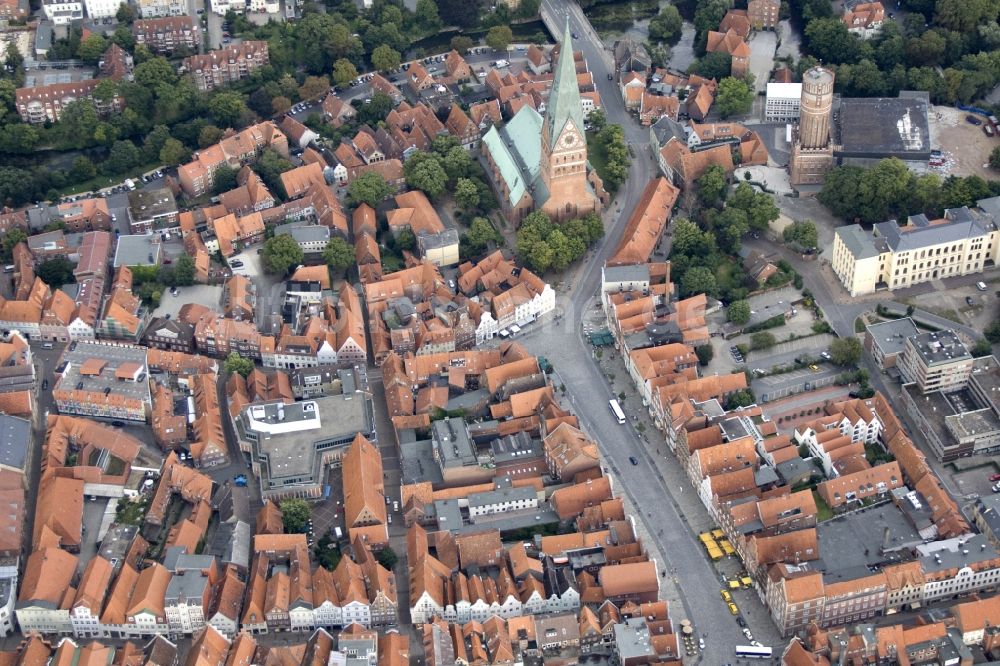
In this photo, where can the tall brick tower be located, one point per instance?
(812, 153)
(563, 162)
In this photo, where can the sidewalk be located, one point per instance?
(685, 497)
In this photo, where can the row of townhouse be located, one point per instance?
(284, 594)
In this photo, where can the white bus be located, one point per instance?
(751, 652)
(617, 411)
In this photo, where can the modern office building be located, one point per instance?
(292, 445)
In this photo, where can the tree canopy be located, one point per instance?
(235, 363)
(338, 254)
(280, 254)
(544, 245)
(295, 515)
(734, 97)
(370, 188)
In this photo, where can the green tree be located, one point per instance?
(387, 558)
(739, 312)
(712, 185)
(829, 40)
(338, 255)
(734, 98)
(992, 332)
(964, 16)
(154, 72)
(235, 363)
(280, 104)
(92, 48)
(123, 156)
(742, 398)
(698, 280)
(269, 166)
(803, 233)
(209, 135)
(981, 348)
(83, 169)
(184, 271)
(314, 87)
(759, 206)
(224, 179)
(55, 272)
(122, 36)
(125, 13)
(845, 351)
(666, 26)
(528, 8)
(375, 111)
(716, 65)
(705, 354)
(427, 17)
(370, 188)
(995, 158)
(295, 515)
(281, 254)
(466, 194)
(13, 236)
(499, 37)
(762, 340)
(707, 16)
(384, 58)
(227, 108)
(481, 233)
(598, 119)
(457, 163)
(404, 241)
(174, 152)
(424, 172)
(344, 72)
(461, 43)
(730, 225)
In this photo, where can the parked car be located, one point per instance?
(825, 356)
(968, 301)
(633, 460)
(972, 120)
(995, 477)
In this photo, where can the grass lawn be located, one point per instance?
(596, 154)
(823, 512)
(98, 182)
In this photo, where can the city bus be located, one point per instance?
(617, 411)
(751, 652)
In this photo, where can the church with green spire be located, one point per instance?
(540, 163)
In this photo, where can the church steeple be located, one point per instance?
(564, 98)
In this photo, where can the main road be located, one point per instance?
(562, 343)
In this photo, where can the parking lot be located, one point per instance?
(966, 148)
(203, 294)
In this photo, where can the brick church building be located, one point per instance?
(540, 163)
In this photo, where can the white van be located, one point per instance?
(981, 286)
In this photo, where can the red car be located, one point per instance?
(995, 477)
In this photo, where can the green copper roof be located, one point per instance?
(516, 151)
(564, 99)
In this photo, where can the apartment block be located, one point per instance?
(45, 103)
(161, 8)
(936, 361)
(166, 35)
(61, 12)
(196, 177)
(228, 65)
(895, 256)
(104, 380)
